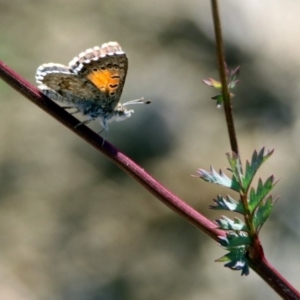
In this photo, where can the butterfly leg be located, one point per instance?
(84, 122)
(104, 135)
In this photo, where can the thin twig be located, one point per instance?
(222, 71)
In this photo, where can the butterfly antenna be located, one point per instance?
(137, 101)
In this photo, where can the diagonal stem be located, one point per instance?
(262, 267)
(113, 154)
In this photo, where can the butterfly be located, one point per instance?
(92, 83)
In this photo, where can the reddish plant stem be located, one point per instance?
(113, 154)
(275, 280)
(258, 263)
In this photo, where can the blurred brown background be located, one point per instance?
(72, 225)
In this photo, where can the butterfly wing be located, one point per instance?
(105, 68)
(67, 86)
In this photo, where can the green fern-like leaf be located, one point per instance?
(219, 99)
(239, 264)
(218, 178)
(227, 224)
(227, 203)
(236, 169)
(235, 185)
(262, 212)
(255, 197)
(237, 260)
(234, 239)
(251, 168)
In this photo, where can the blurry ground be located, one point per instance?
(73, 226)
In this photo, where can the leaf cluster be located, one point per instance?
(254, 204)
(232, 78)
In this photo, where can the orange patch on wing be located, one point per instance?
(104, 81)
